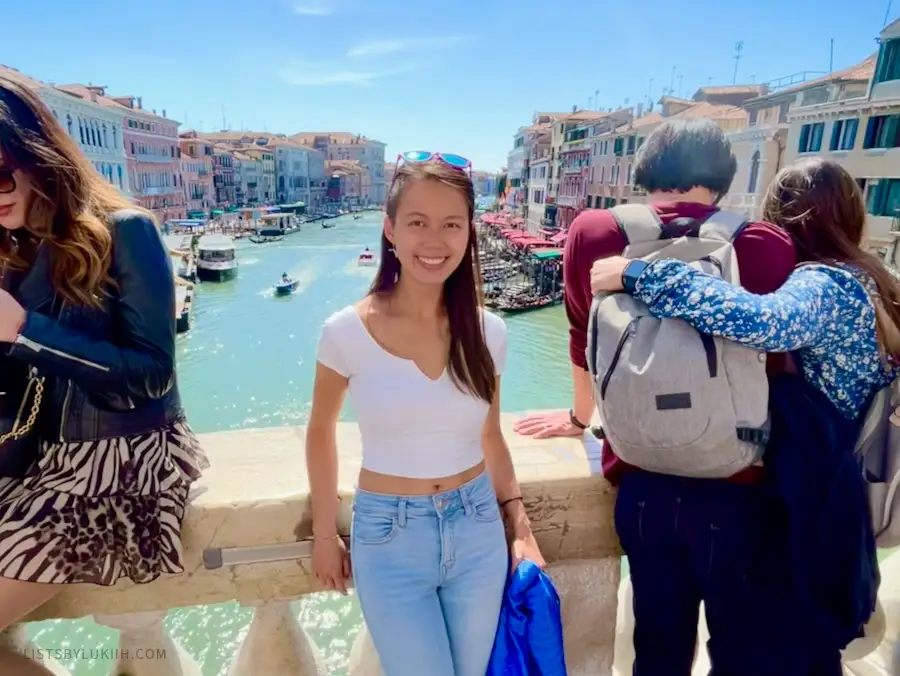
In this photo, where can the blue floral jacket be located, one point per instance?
(823, 312)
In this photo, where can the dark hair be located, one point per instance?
(70, 202)
(819, 204)
(684, 154)
(470, 363)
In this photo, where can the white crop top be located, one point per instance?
(411, 426)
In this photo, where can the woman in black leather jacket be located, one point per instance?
(86, 313)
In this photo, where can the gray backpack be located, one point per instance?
(672, 400)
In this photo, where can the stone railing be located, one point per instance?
(247, 538)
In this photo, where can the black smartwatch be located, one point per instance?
(630, 274)
(575, 421)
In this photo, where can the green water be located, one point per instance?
(249, 362)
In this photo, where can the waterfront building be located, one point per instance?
(345, 183)
(95, 128)
(339, 145)
(519, 158)
(568, 205)
(318, 179)
(248, 178)
(761, 148)
(266, 158)
(223, 175)
(197, 174)
(613, 163)
(485, 183)
(389, 169)
(862, 133)
(539, 171)
(151, 151)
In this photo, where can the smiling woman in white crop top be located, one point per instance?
(421, 361)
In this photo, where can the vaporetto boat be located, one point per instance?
(217, 261)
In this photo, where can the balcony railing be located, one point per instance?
(247, 538)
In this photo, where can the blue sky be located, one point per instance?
(459, 76)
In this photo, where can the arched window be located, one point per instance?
(81, 129)
(69, 124)
(754, 173)
(602, 174)
(115, 139)
(119, 167)
(628, 175)
(105, 139)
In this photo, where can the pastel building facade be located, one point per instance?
(344, 146)
(762, 149)
(197, 174)
(862, 133)
(95, 128)
(223, 176)
(345, 183)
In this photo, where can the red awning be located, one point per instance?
(559, 237)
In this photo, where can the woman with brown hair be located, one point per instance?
(838, 313)
(421, 360)
(87, 322)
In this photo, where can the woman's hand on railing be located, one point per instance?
(331, 563)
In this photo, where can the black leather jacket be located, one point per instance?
(110, 371)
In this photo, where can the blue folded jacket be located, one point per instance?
(529, 639)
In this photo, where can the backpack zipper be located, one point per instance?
(626, 334)
(37, 347)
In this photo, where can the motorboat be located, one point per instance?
(286, 287)
(217, 261)
(367, 259)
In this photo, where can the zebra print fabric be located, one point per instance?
(96, 511)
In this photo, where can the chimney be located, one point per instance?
(640, 109)
(574, 109)
(164, 112)
(140, 102)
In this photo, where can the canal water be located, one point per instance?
(249, 362)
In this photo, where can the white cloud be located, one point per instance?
(394, 46)
(315, 74)
(313, 8)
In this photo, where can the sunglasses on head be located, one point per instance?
(423, 156)
(7, 181)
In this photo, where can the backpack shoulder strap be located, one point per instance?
(637, 222)
(724, 225)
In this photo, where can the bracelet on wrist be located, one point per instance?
(575, 421)
(332, 536)
(509, 500)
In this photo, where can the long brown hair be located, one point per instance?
(820, 205)
(70, 202)
(470, 364)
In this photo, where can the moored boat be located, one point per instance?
(217, 261)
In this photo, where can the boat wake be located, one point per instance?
(304, 278)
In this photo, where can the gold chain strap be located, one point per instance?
(19, 432)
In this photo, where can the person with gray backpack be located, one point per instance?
(832, 461)
(690, 533)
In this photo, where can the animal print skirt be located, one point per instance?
(97, 511)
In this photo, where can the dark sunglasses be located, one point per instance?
(7, 181)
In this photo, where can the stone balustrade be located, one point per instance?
(247, 538)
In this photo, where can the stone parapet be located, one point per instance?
(247, 537)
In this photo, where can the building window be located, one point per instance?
(631, 143)
(617, 146)
(753, 115)
(843, 134)
(811, 137)
(889, 62)
(69, 125)
(628, 174)
(884, 198)
(81, 130)
(754, 173)
(602, 174)
(883, 131)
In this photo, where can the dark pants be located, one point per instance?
(691, 540)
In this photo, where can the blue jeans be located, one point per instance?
(430, 573)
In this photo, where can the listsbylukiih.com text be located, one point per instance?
(103, 654)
